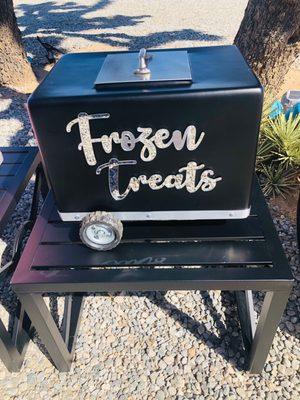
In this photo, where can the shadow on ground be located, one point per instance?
(228, 346)
(223, 343)
(56, 22)
(14, 122)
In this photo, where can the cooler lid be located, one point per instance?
(214, 68)
(144, 69)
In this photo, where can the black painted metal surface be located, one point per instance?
(240, 255)
(19, 164)
(224, 101)
(236, 252)
(17, 167)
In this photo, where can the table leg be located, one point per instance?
(13, 347)
(71, 320)
(272, 310)
(8, 353)
(246, 316)
(47, 330)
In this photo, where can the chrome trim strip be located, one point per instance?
(165, 215)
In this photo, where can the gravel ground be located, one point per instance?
(184, 345)
(128, 24)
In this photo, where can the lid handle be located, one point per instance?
(142, 66)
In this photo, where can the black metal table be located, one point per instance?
(237, 255)
(17, 167)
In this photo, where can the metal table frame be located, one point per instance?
(17, 167)
(237, 255)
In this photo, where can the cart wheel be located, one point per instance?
(101, 231)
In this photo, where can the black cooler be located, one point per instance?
(156, 135)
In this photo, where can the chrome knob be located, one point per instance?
(142, 67)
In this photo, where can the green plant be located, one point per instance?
(277, 180)
(278, 153)
(267, 107)
(285, 137)
(265, 151)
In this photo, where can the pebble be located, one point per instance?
(268, 368)
(172, 391)
(160, 395)
(184, 361)
(160, 381)
(31, 379)
(178, 382)
(169, 360)
(162, 365)
(290, 326)
(192, 352)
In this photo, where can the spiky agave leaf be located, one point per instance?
(265, 151)
(267, 107)
(265, 146)
(277, 180)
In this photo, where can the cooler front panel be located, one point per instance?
(150, 152)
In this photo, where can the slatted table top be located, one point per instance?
(156, 255)
(17, 165)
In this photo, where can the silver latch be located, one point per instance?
(143, 67)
